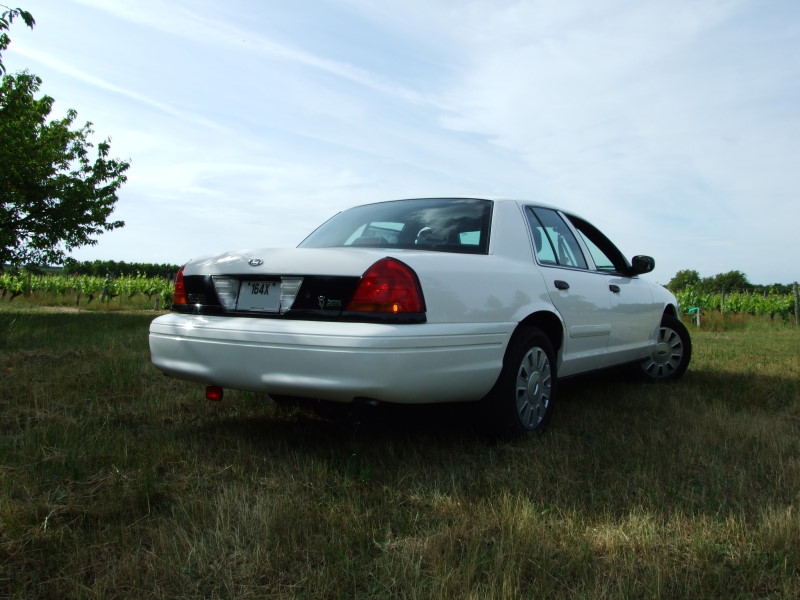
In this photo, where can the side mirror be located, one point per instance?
(642, 264)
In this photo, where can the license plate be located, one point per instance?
(263, 296)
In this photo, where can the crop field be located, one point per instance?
(117, 482)
(773, 305)
(126, 292)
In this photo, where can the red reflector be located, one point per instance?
(179, 295)
(214, 392)
(388, 286)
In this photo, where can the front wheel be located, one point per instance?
(671, 354)
(522, 399)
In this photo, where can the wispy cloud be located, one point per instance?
(673, 124)
(102, 84)
(213, 31)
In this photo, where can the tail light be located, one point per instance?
(388, 286)
(179, 295)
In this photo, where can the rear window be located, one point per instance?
(441, 224)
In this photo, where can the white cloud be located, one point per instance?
(645, 113)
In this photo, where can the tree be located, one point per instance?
(6, 18)
(682, 280)
(732, 281)
(53, 196)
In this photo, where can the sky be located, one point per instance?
(671, 125)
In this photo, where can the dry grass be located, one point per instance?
(120, 483)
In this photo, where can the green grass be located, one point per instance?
(117, 482)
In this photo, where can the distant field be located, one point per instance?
(117, 482)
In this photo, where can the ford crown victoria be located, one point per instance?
(426, 300)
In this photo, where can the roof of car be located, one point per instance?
(519, 201)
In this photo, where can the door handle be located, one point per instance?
(561, 285)
(614, 288)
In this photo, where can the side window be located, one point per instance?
(469, 238)
(541, 243)
(605, 254)
(553, 240)
(601, 261)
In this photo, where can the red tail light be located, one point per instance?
(179, 295)
(388, 286)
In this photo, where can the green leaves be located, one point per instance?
(13, 284)
(6, 19)
(771, 303)
(54, 194)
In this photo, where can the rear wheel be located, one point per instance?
(671, 354)
(522, 399)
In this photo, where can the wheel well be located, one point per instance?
(547, 322)
(670, 310)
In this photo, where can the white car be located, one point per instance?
(421, 301)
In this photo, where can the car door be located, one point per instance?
(579, 294)
(634, 315)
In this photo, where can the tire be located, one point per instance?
(671, 354)
(521, 401)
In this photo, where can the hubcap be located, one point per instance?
(534, 384)
(666, 356)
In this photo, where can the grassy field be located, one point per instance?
(117, 482)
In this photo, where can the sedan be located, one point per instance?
(427, 300)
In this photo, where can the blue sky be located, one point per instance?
(672, 125)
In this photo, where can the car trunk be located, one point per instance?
(295, 283)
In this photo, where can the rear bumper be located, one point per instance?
(332, 361)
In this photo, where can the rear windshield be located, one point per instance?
(442, 224)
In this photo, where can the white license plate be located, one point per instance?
(264, 296)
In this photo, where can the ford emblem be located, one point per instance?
(255, 262)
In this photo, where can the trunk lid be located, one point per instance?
(298, 283)
(287, 261)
